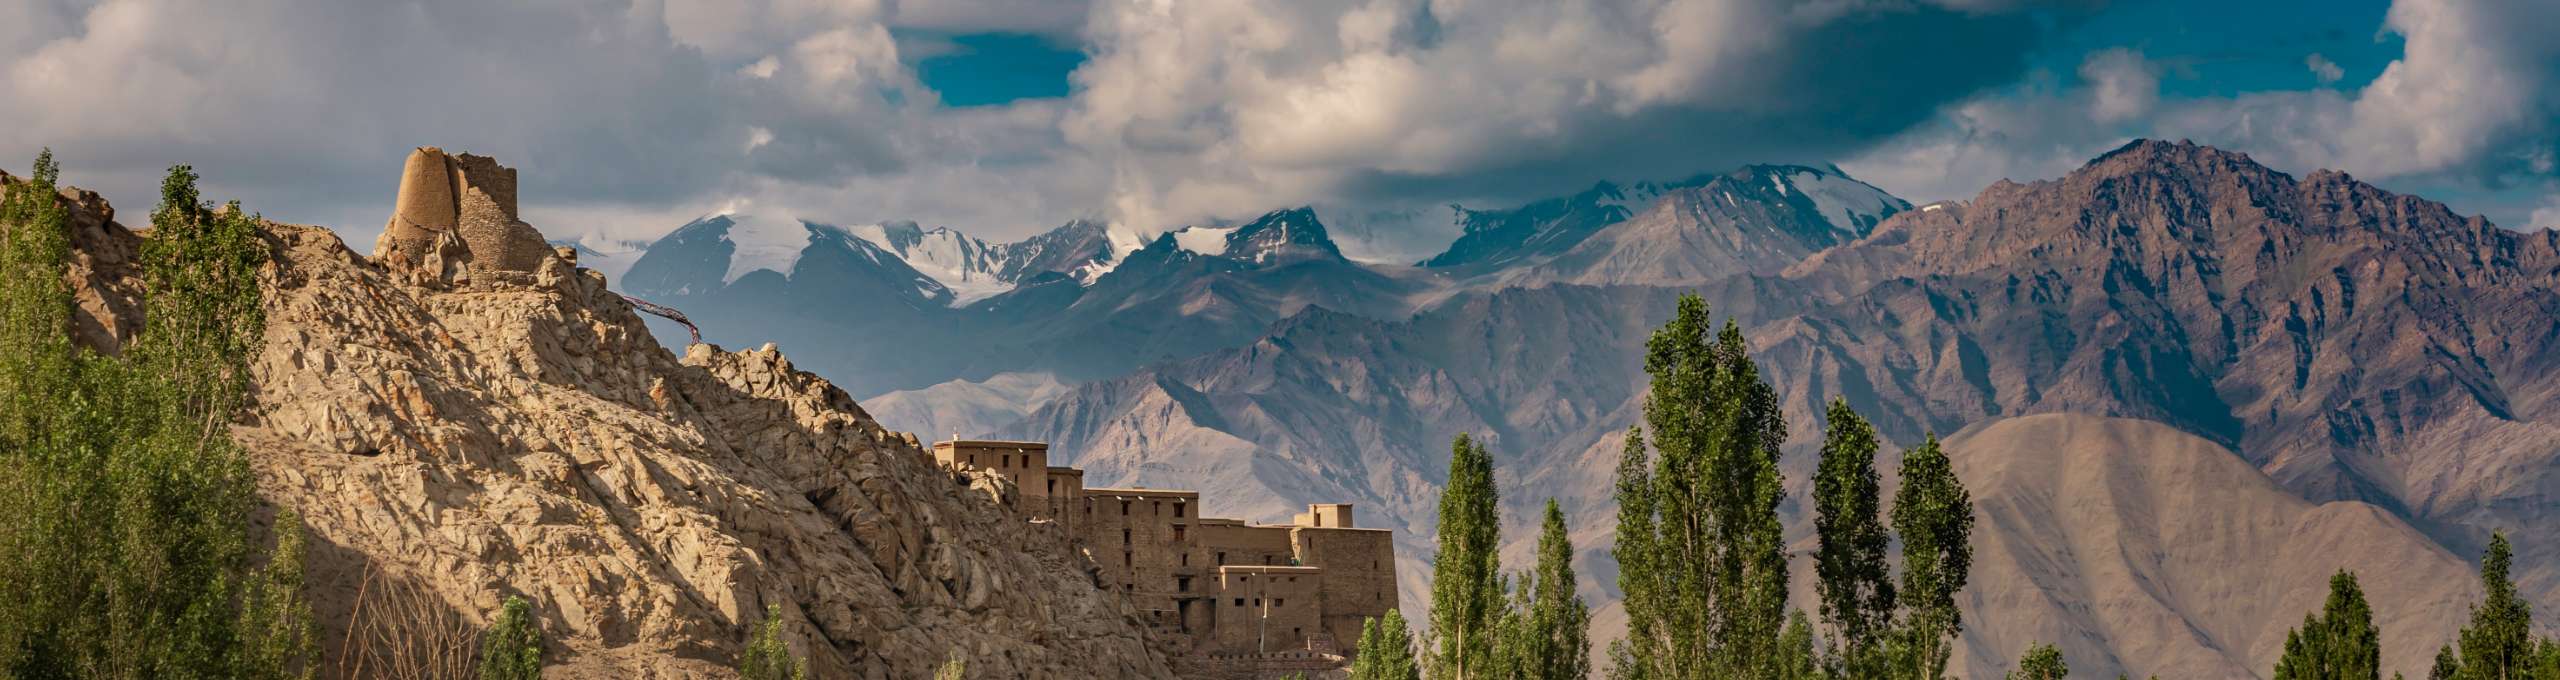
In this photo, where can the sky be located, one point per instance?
(1003, 118)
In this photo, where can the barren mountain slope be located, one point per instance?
(2142, 550)
(496, 436)
(2354, 343)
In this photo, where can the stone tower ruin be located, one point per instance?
(456, 218)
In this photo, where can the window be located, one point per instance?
(1257, 602)
(1177, 510)
(1177, 532)
(1182, 584)
(1239, 602)
(1124, 508)
(1279, 602)
(1156, 507)
(1053, 487)
(1186, 559)
(1124, 537)
(1007, 461)
(1222, 559)
(1127, 561)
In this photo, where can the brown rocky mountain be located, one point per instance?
(473, 427)
(2142, 550)
(2352, 344)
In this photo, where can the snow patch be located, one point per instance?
(1120, 243)
(764, 243)
(1847, 204)
(1633, 199)
(1203, 240)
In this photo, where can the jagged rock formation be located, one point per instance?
(522, 434)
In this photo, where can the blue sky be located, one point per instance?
(1006, 117)
(993, 69)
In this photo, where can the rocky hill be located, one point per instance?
(471, 427)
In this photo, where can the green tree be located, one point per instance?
(1853, 577)
(512, 647)
(1797, 659)
(1702, 561)
(122, 497)
(1560, 621)
(2042, 662)
(767, 656)
(2498, 644)
(2448, 665)
(2339, 642)
(1466, 587)
(1386, 650)
(1545, 633)
(1933, 514)
(278, 638)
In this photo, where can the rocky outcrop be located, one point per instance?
(484, 436)
(103, 271)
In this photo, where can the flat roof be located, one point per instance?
(991, 444)
(1309, 528)
(1158, 493)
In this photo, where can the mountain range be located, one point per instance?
(2234, 363)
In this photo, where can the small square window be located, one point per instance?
(1239, 602)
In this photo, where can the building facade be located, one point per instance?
(1221, 587)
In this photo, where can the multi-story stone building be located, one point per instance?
(1225, 587)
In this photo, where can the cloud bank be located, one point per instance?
(629, 117)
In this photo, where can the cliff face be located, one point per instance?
(486, 436)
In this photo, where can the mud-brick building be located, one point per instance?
(1225, 587)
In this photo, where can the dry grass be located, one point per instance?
(400, 630)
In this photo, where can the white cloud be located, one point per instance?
(2122, 84)
(2474, 97)
(1208, 110)
(2322, 68)
(2545, 217)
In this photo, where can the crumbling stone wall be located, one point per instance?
(456, 219)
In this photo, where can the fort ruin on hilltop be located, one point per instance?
(1216, 587)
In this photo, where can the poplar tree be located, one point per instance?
(1466, 588)
(123, 501)
(1934, 516)
(1547, 633)
(1853, 579)
(2337, 643)
(1386, 650)
(2498, 644)
(1702, 561)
